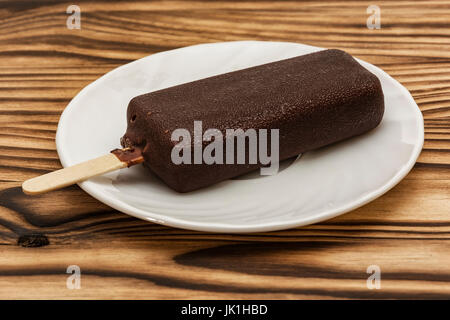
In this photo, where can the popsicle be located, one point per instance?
(312, 100)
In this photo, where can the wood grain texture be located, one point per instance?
(43, 65)
(71, 175)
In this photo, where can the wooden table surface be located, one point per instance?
(43, 65)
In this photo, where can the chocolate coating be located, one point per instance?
(130, 156)
(314, 100)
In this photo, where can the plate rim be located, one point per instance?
(98, 193)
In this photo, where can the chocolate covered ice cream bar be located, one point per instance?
(312, 100)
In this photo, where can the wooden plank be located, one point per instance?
(43, 65)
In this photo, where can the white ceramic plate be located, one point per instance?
(318, 186)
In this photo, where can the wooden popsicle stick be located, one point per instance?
(118, 159)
